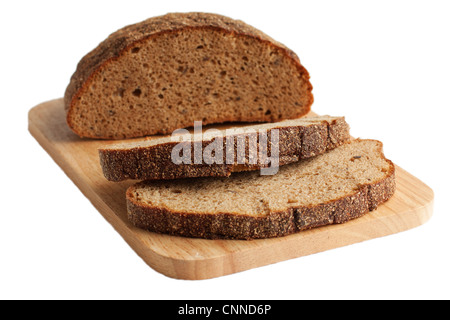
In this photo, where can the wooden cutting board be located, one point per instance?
(186, 258)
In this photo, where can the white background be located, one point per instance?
(385, 65)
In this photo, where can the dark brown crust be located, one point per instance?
(155, 163)
(119, 42)
(275, 224)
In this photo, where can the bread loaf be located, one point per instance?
(167, 72)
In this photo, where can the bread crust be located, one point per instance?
(274, 224)
(155, 163)
(124, 39)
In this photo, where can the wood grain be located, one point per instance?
(186, 258)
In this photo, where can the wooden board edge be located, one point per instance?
(203, 269)
(158, 262)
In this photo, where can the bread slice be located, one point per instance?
(334, 187)
(167, 72)
(154, 159)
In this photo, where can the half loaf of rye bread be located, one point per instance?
(334, 187)
(219, 153)
(169, 71)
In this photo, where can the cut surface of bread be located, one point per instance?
(334, 187)
(169, 71)
(222, 152)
